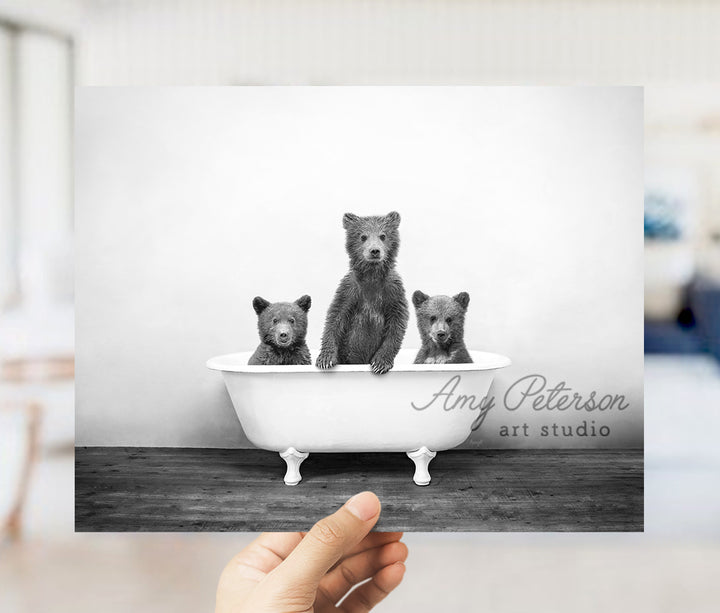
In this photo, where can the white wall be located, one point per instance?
(189, 202)
(231, 42)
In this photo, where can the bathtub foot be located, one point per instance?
(422, 458)
(293, 458)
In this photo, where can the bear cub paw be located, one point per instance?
(326, 359)
(380, 365)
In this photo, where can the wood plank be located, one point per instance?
(170, 489)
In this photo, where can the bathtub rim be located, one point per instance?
(237, 362)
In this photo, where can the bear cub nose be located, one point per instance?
(441, 334)
(375, 253)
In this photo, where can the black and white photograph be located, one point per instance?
(285, 295)
(335, 306)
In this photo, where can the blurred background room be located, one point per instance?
(682, 307)
(49, 46)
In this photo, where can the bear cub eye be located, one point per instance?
(292, 320)
(275, 320)
(363, 237)
(382, 237)
(448, 320)
(432, 319)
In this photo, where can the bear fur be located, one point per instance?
(441, 321)
(367, 319)
(282, 327)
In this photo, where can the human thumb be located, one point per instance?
(328, 540)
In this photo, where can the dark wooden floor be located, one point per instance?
(163, 489)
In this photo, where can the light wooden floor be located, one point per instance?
(162, 489)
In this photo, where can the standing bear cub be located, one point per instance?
(441, 321)
(368, 316)
(282, 327)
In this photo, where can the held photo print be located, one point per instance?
(287, 295)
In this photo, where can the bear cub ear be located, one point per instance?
(304, 302)
(260, 304)
(349, 219)
(463, 299)
(419, 298)
(393, 218)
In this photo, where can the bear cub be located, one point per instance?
(282, 327)
(441, 321)
(367, 319)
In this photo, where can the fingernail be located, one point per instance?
(364, 505)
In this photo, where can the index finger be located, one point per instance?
(371, 541)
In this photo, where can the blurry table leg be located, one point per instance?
(13, 523)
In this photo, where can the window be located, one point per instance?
(36, 222)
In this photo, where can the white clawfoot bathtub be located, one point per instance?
(418, 409)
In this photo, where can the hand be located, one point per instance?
(380, 364)
(326, 359)
(296, 573)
